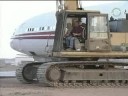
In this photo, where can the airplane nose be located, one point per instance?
(14, 44)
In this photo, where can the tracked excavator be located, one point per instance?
(80, 67)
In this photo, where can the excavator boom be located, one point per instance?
(68, 4)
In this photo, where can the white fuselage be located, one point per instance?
(36, 36)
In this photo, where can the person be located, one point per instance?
(111, 18)
(68, 30)
(75, 32)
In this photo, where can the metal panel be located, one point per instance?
(91, 54)
(119, 26)
(59, 33)
(75, 74)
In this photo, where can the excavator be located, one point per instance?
(80, 67)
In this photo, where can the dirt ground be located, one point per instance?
(12, 87)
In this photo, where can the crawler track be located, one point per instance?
(49, 73)
(26, 73)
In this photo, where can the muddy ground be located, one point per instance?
(12, 87)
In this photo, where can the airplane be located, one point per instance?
(35, 36)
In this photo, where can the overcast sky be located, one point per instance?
(14, 13)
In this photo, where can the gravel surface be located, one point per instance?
(12, 87)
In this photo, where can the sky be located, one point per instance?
(14, 13)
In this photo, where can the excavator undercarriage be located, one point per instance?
(76, 74)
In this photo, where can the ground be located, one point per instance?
(12, 87)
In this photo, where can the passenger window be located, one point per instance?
(42, 28)
(48, 28)
(28, 29)
(32, 29)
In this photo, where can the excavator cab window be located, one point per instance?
(98, 33)
(69, 38)
(95, 32)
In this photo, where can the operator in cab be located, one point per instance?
(76, 32)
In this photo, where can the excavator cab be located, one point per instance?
(95, 35)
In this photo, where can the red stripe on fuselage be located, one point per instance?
(35, 37)
(37, 33)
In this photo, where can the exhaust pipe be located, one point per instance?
(126, 16)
